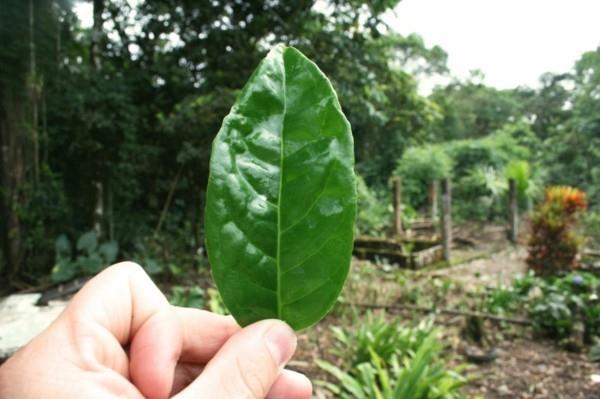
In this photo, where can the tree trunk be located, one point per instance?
(397, 198)
(12, 178)
(95, 57)
(34, 94)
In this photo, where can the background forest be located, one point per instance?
(108, 129)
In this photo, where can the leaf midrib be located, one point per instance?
(278, 259)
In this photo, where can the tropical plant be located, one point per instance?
(553, 304)
(87, 258)
(554, 245)
(418, 375)
(373, 333)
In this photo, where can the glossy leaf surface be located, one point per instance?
(281, 198)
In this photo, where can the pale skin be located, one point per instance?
(120, 338)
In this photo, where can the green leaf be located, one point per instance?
(90, 264)
(63, 270)
(281, 197)
(87, 242)
(62, 247)
(152, 266)
(109, 251)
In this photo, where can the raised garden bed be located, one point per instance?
(408, 253)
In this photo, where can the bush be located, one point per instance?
(374, 212)
(591, 228)
(87, 258)
(554, 246)
(418, 168)
(554, 304)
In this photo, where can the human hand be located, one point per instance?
(120, 338)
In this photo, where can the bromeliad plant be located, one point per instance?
(374, 333)
(281, 198)
(417, 374)
(554, 246)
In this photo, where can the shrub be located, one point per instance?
(554, 246)
(374, 213)
(418, 167)
(591, 228)
(554, 304)
(87, 258)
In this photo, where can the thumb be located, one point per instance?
(247, 365)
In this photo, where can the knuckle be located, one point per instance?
(132, 267)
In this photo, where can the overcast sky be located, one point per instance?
(511, 41)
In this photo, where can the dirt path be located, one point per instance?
(498, 269)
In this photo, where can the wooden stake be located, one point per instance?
(513, 211)
(433, 201)
(446, 220)
(397, 193)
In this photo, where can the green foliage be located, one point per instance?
(472, 110)
(495, 150)
(554, 304)
(595, 352)
(418, 168)
(215, 302)
(418, 374)
(590, 228)
(520, 172)
(42, 216)
(374, 334)
(554, 245)
(502, 300)
(553, 315)
(191, 297)
(374, 212)
(281, 197)
(86, 259)
(478, 167)
(571, 153)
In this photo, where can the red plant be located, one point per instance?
(554, 246)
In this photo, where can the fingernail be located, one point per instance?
(281, 342)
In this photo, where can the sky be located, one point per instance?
(512, 42)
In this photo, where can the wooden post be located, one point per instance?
(446, 220)
(513, 214)
(397, 194)
(433, 202)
